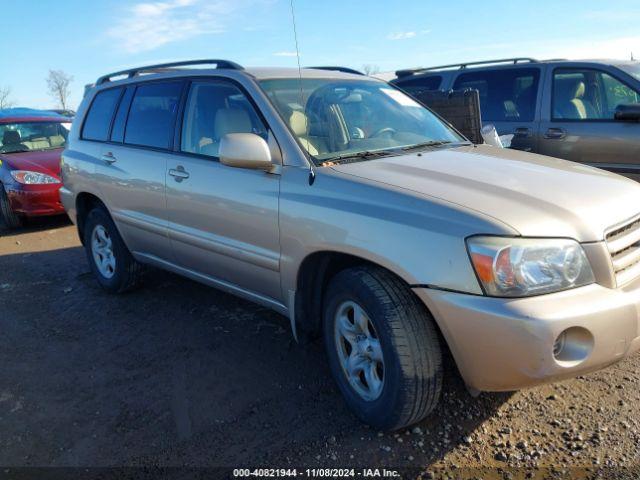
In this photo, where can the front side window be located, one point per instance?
(98, 120)
(152, 115)
(334, 118)
(28, 136)
(584, 94)
(507, 95)
(213, 110)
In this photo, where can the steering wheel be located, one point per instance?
(382, 131)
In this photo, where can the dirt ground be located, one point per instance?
(179, 374)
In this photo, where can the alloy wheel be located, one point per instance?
(359, 350)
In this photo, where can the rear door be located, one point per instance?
(223, 221)
(578, 119)
(508, 100)
(132, 165)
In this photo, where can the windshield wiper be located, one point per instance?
(366, 155)
(431, 143)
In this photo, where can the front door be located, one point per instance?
(579, 122)
(223, 221)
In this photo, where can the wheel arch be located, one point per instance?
(85, 202)
(313, 276)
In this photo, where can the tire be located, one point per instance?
(10, 218)
(121, 272)
(411, 371)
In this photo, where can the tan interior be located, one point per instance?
(12, 137)
(299, 124)
(227, 120)
(577, 107)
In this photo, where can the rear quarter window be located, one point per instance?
(152, 115)
(98, 120)
(421, 84)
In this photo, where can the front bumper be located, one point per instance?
(507, 344)
(35, 200)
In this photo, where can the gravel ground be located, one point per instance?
(179, 374)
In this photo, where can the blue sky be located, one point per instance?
(89, 38)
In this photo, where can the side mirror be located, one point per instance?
(628, 112)
(245, 150)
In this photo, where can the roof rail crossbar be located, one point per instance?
(407, 72)
(338, 69)
(132, 72)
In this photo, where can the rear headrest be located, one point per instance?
(578, 89)
(11, 137)
(299, 123)
(231, 120)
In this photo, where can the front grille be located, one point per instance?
(624, 247)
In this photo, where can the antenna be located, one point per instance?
(312, 173)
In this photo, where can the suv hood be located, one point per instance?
(43, 161)
(533, 194)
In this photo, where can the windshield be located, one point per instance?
(28, 136)
(633, 70)
(335, 119)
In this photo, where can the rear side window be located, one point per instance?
(505, 95)
(152, 115)
(98, 120)
(421, 84)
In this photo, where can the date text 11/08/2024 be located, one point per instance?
(316, 473)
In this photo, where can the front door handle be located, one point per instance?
(109, 158)
(555, 134)
(179, 173)
(522, 132)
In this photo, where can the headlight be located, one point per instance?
(520, 267)
(32, 178)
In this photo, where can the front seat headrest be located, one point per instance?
(578, 90)
(299, 123)
(231, 120)
(11, 137)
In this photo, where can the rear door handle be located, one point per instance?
(108, 157)
(179, 173)
(555, 134)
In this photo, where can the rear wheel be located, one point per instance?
(111, 262)
(383, 348)
(10, 218)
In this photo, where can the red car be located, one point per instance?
(31, 143)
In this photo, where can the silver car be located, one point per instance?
(338, 201)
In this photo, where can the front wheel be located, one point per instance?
(382, 347)
(10, 218)
(111, 262)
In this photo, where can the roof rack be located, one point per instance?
(132, 72)
(339, 69)
(408, 72)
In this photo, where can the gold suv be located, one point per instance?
(340, 202)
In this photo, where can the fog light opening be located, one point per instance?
(573, 346)
(558, 347)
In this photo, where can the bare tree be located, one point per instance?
(5, 98)
(58, 83)
(370, 69)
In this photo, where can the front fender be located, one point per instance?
(420, 239)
